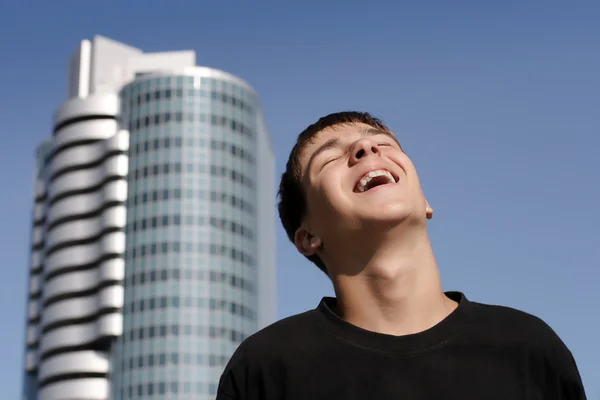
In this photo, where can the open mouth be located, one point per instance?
(373, 179)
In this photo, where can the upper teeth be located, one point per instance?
(362, 185)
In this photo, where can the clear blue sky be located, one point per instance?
(498, 104)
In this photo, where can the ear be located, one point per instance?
(306, 243)
(428, 210)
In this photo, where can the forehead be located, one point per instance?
(343, 130)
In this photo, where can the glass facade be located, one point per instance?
(191, 275)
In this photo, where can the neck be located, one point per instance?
(390, 284)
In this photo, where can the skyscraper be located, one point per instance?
(153, 229)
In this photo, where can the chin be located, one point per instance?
(390, 215)
(393, 210)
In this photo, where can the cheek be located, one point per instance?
(402, 160)
(318, 201)
(325, 198)
(405, 163)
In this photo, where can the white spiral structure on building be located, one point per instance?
(78, 240)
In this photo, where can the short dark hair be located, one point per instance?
(292, 200)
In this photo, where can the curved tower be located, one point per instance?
(192, 275)
(153, 241)
(78, 240)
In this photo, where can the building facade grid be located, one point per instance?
(190, 293)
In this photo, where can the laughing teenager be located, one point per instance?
(351, 202)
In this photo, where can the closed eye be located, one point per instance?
(328, 161)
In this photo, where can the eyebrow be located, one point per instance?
(335, 142)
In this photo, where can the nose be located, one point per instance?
(364, 148)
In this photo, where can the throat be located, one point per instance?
(398, 316)
(395, 288)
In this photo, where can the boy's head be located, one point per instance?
(346, 174)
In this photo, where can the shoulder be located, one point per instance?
(260, 360)
(517, 328)
(278, 339)
(512, 321)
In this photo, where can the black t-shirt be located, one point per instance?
(478, 352)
